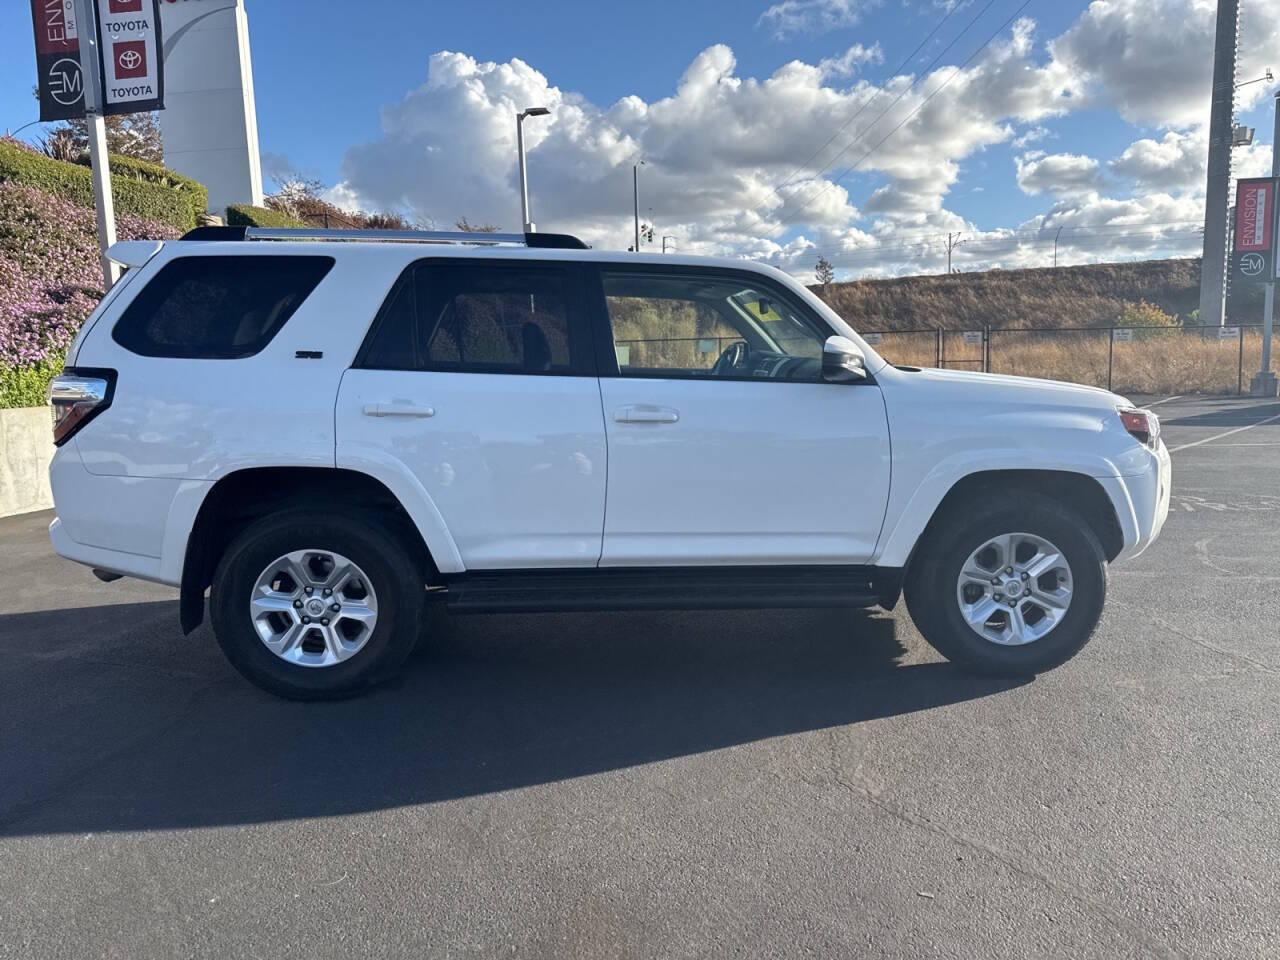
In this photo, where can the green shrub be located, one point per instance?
(133, 169)
(73, 182)
(244, 215)
(27, 386)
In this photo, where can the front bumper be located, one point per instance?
(1141, 501)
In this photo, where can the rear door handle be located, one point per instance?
(397, 410)
(646, 414)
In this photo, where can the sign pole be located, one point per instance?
(94, 104)
(1265, 383)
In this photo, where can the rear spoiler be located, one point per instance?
(133, 253)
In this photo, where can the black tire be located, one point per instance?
(930, 589)
(396, 578)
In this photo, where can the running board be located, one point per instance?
(669, 588)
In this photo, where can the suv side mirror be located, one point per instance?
(842, 361)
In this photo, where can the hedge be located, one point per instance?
(121, 166)
(244, 215)
(73, 182)
(28, 386)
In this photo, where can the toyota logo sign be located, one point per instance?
(130, 60)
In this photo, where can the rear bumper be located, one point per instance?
(1141, 501)
(113, 561)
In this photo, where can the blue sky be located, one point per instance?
(1047, 143)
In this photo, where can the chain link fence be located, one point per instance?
(1182, 359)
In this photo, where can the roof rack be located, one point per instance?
(561, 241)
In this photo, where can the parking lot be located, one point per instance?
(812, 783)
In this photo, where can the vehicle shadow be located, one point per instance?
(130, 727)
(1234, 412)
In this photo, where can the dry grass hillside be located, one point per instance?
(1084, 296)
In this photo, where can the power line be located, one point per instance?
(955, 73)
(902, 66)
(896, 100)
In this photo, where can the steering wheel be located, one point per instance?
(734, 356)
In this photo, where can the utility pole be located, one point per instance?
(635, 197)
(1264, 384)
(103, 203)
(953, 241)
(1213, 267)
(665, 238)
(1055, 247)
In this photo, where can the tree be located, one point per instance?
(466, 226)
(134, 135)
(824, 271)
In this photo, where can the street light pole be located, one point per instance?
(635, 196)
(529, 226)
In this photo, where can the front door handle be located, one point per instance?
(646, 414)
(397, 410)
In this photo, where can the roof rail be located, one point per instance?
(540, 240)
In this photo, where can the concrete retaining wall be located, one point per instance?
(26, 447)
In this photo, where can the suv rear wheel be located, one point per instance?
(1014, 586)
(316, 608)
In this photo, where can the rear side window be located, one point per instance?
(217, 308)
(491, 318)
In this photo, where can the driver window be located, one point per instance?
(692, 325)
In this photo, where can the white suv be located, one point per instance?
(332, 435)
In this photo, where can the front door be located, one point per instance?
(476, 391)
(725, 444)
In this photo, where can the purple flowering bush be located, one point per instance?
(50, 281)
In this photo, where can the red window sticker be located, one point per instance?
(125, 6)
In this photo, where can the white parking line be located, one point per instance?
(1157, 403)
(1219, 436)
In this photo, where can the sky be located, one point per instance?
(863, 131)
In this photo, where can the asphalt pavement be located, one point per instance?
(666, 784)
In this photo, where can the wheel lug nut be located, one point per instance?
(324, 622)
(335, 608)
(309, 591)
(1026, 576)
(327, 591)
(297, 603)
(306, 619)
(1008, 569)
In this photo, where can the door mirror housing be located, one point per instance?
(842, 361)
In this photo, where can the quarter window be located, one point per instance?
(217, 308)
(482, 318)
(696, 325)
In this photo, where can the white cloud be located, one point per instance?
(1153, 59)
(849, 62)
(740, 165)
(1058, 174)
(813, 16)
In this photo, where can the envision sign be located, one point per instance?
(129, 61)
(1253, 249)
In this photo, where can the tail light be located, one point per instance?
(1142, 425)
(77, 396)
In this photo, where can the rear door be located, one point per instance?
(477, 387)
(725, 444)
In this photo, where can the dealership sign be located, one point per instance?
(58, 59)
(132, 69)
(1253, 246)
(129, 60)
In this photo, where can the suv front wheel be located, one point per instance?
(1013, 586)
(314, 608)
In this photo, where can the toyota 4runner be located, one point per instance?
(328, 431)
